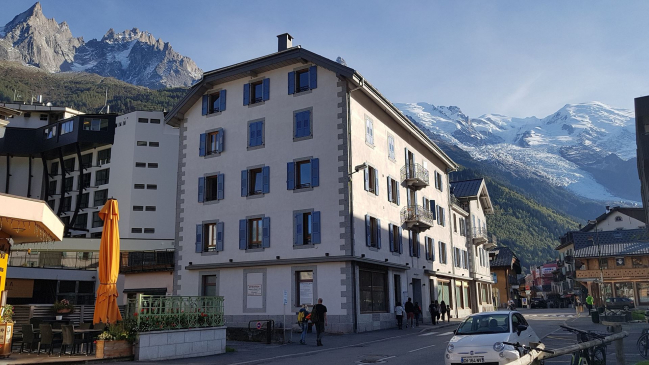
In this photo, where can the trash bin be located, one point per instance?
(595, 316)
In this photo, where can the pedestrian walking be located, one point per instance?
(303, 322)
(320, 320)
(442, 309)
(433, 308)
(417, 313)
(448, 312)
(410, 312)
(589, 303)
(399, 311)
(578, 305)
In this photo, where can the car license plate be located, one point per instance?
(472, 360)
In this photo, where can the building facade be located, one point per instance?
(299, 180)
(642, 142)
(505, 268)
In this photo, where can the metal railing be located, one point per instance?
(159, 312)
(54, 259)
(417, 213)
(143, 261)
(479, 232)
(415, 171)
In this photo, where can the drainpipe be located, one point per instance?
(351, 199)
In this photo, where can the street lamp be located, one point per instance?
(599, 263)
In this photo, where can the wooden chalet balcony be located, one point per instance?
(631, 273)
(417, 218)
(415, 176)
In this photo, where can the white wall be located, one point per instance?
(611, 223)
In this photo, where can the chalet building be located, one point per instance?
(299, 180)
(505, 268)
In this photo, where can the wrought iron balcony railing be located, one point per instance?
(159, 312)
(143, 261)
(415, 175)
(479, 234)
(417, 217)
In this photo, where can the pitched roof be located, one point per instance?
(614, 249)
(585, 239)
(467, 188)
(504, 257)
(636, 213)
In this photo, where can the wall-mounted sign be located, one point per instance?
(20, 288)
(254, 290)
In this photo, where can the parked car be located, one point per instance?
(538, 303)
(619, 303)
(479, 338)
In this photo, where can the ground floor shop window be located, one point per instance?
(465, 295)
(304, 285)
(459, 300)
(444, 291)
(209, 285)
(625, 290)
(643, 292)
(373, 290)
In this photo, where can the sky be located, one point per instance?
(516, 58)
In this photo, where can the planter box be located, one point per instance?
(109, 349)
(180, 343)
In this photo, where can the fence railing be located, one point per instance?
(143, 261)
(159, 312)
(479, 232)
(417, 213)
(415, 171)
(54, 259)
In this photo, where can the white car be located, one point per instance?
(479, 339)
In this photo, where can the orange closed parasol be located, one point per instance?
(106, 309)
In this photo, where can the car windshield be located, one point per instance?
(485, 323)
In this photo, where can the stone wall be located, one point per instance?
(181, 343)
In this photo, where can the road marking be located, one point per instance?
(445, 334)
(428, 334)
(421, 348)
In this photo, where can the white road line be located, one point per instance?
(428, 334)
(445, 334)
(421, 348)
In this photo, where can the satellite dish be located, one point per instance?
(48, 104)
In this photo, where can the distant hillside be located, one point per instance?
(82, 91)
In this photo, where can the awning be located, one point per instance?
(25, 220)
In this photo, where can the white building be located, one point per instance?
(299, 180)
(77, 161)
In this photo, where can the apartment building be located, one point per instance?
(298, 180)
(642, 142)
(75, 162)
(505, 268)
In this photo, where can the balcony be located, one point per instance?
(147, 261)
(569, 259)
(624, 273)
(55, 259)
(492, 241)
(479, 235)
(415, 176)
(417, 218)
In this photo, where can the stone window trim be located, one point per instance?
(256, 196)
(370, 192)
(300, 68)
(251, 250)
(209, 93)
(294, 271)
(207, 273)
(264, 290)
(365, 118)
(252, 81)
(220, 130)
(215, 201)
(263, 134)
(390, 187)
(302, 211)
(310, 109)
(210, 253)
(392, 158)
(296, 160)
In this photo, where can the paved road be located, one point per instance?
(420, 345)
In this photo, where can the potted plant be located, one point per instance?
(62, 307)
(116, 341)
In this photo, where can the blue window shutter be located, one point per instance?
(315, 172)
(389, 189)
(367, 179)
(407, 169)
(410, 246)
(246, 94)
(219, 236)
(203, 141)
(368, 231)
(298, 233)
(265, 243)
(316, 236)
(265, 171)
(426, 248)
(433, 209)
(432, 249)
(260, 134)
(418, 245)
(219, 141)
(290, 176)
(313, 77)
(201, 189)
(391, 238)
(378, 233)
(244, 183)
(306, 123)
(243, 234)
(266, 87)
(400, 240)
(199, 238)
(291, 83)
(298, 125)
(220, 182)
(222, 100)
(205, 102)
(252, 132)
(398, 195)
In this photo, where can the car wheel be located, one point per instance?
(626, 307)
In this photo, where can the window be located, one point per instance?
(103, 157)
(209, 286)
(100, 197)
(395, 236)
(372, 180)
(465, 259)
(86, 161)
(256, 92)
(102, 177)
(254, 233)
(95, 235)
(619, 261)
(413, 241)
(255, 181)
(454, 223)
(52, 187)
(150, 208)
(154, 144)
(625, 290)
(50, 132)
(140, 164)
(372, 232)
(151, 186)
(95, 124)
(136, 230)
(212, 188)
(303, 288)
(211, 143)
(67, 204)
(69, 164)
(154, 121)
(149, 230)
(462, 226)
(96, 221)
(302, 80)
(441, 216)
(85, 198)
(69, 183)
(393, 191)
(67, 127)
(255, 134)
(303, 174)
(373, 291)
(429, 243)
(153, 165)
(141, 143)
(439, 184)
(303, 126)
(82, 221)
(442, 252)
(643, 292)
(214, 102)
(85, 181)
(54, 168)
(209, 237)
(637, 262)
(138, 208)
(456, 257)
(391, 154)
(603, 263)
(138, 186)
(306, 228)
(369, 130)
(43, 117)
(142, 120)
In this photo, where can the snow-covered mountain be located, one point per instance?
(587, 148)
(133, 56)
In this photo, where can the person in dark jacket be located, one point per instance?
(410, 312)
(418, 313)
(433, 308)
(442, 309)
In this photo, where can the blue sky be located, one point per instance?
(517, 58)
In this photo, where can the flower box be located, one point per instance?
(64, 311)
(108, 349)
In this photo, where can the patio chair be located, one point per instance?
(100, 326)
(84, 326)
(47, 338)
(68, 340)
(29, 337)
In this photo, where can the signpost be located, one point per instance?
(284, 325)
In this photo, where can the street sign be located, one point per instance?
(285, 297)
(258, 325)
